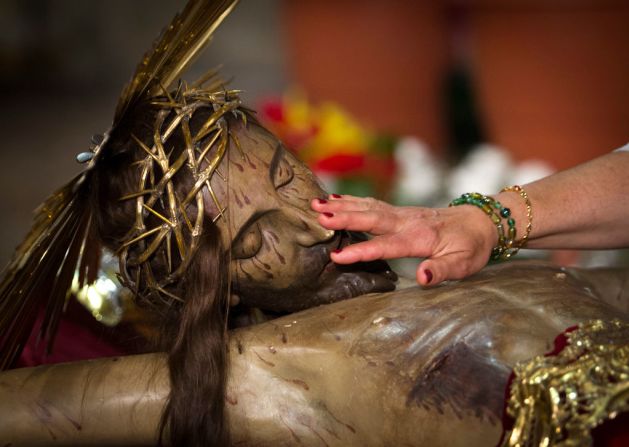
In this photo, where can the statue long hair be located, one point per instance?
(143, 195)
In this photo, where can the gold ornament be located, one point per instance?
(558, 400)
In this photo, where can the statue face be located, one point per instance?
(280, 254)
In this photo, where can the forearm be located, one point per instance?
(583, 207)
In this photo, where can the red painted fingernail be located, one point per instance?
(322, 201)
(336, 196)
(337, 251)
(428, 274)
(328, 214)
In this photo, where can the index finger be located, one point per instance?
(373, 222)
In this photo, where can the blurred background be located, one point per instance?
(414, 102)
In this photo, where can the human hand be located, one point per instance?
(456, 241)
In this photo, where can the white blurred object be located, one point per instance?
(488, 169)
(528, 171)
(103, 298)
(420, 175)
(483, 170)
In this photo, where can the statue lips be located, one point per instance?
(321, 281)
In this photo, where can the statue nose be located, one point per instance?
(308, 230)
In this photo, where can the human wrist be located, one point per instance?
(482, 227)
(500, 217)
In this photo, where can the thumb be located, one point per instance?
(433, 271)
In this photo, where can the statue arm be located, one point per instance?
(112, 401)
(275, 397)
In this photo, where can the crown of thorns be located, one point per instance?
(157, 170)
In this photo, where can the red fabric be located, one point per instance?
(612, 433)
(80, 337)
(561, 341)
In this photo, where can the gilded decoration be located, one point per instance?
(558, 399)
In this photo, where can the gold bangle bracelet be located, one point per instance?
(529, 212)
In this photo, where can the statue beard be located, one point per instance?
(323, 281)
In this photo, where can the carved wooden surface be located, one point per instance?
(410, 367)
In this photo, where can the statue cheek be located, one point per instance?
(281, 258)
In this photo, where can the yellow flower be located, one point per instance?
(299, 113)
(338, 132)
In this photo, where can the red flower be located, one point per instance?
(273, 110)
(340, 163)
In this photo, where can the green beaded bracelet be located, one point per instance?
(506, 242)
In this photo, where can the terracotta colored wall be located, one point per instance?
(554, 83)
(384, 61)
(552, 78)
